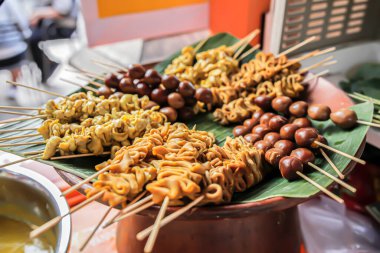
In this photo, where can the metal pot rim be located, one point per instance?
(64, 233)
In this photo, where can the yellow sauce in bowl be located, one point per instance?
(15, 226)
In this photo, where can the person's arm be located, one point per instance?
(58, 9)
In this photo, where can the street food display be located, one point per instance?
(136, 119)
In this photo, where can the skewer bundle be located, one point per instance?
(173, 164)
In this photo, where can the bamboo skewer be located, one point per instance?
(376, 121)
(367, 97)
(301, 58)
(78, 156)
(143, 234)
(16, 113)
(135, 211)
(18, 137)
(325, 51)
(337, 180)
(36, 89)
(134, 204)
(17, 130)
(299, 45)
(83, 246)
(327, 192)
(112, 65)
(322, 73)
(33, 152)
(340, 174)
(250, 37)
(21, 160)
(363, 99)
(318, 64)
(242, 41)
(87, 73)
(358, 160)
(22, 144)
(22, 119)
(20, 108)
(200, 44)
(156, 226)
(84, 181)
(90, 81)
(368, 123)
(79, 85)
(45, 227)
(250, 51)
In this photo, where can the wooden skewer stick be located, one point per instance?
(301, 58)
(95, 229)
(246, 42)
(21, 144)
(17, 130)
(200, 44)
(22, 119)
(21, 160)
(235, 46)
(368, 123)
(363, 99)
(337, 180)
(324, 154)
(112, 65)
(79, 85)
(156, 226)
(78, 156)
(16, 113)
(376, 116)
(322, 73)
(376, 121)
(320, 187)
(367, 97)
(316, 65)
(135, 211)
(90, 81)
(325, 51)
(358, 160)
(143, 234)
(33, 152)
(84, 181)
(36, 89)
(51, 223)
(299, 45)
(87, 73)
(133, 204)
(18, 137)
(250, 51)
(20, 108)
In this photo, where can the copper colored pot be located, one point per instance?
(274, 231)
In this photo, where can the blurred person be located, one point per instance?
(14, 31)
(55, 21)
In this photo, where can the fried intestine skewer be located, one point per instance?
(236, 111)
(80, 106)
(254, 76)
(213, 68)
(183, 164)
(113, 133)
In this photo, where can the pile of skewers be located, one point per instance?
(154, 162)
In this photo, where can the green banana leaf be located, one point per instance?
(272, 186)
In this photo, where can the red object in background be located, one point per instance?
(238, 17)
(363, 179)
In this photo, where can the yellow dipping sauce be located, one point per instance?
(15, 226)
